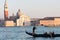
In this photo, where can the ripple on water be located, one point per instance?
(18, 33)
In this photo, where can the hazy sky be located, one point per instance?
(32, 8)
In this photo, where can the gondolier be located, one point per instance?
(34, 29)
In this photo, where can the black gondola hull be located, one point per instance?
(43, 35)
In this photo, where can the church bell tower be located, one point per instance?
(5, 10)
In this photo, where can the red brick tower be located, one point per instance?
(5, 10)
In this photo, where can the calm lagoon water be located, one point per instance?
(18, 33)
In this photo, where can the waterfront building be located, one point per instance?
(9, 23)
(50, 21)
(57, 21)
(5, 10)
(47, 22)
(23, 19)
(35, 21)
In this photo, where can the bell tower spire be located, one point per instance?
(6, 10)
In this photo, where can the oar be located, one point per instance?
(51, 36)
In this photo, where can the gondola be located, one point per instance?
(42, 35)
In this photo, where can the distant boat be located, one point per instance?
(42, 35)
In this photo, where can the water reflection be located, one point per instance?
(39, 38)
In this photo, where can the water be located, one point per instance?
(18, 33)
